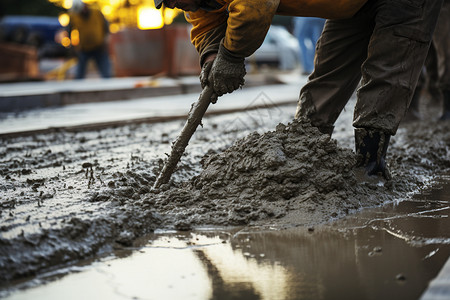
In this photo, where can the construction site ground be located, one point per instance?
(261, 207)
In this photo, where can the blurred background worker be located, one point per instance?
(435, 76)
(427, 83)
(307, 30)
(93, 31)
(441, 41)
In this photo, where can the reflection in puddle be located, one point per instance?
(172, 266)
(237, 273)
(149, 273)
(390, 252)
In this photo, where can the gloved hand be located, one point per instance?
(206, 69)
(205, 73)
(225, 74)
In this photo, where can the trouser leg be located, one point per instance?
(83, 59)
(103, 63)
(441, 41)
(300, 30)
(308, 41)
(341, 49)
(396, 53)
(432, 77)
(415, 101)
(414, 113)
(317, 31)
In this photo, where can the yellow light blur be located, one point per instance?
(169, 15)
(75, 37)
(113, 28)
(67, 4)
(64, 19)
(127, 13)
(149, 18)
(65, 42)
(107, 10)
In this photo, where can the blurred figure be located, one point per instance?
(93, 30)
(307, 30)
(427, 82)
(441, 41)
(436, 73)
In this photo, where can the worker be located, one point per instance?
(383, 41)
(441, 42)
(435, 76)
(386, 42)
(93, 31)
(307, 30)
(427, 82)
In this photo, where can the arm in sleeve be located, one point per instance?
(208, 30)
(242, 24)
(247, 25)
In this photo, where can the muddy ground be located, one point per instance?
(66, 196)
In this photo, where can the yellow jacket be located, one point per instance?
(92, 30)
(243, 24)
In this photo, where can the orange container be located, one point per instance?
(18, 62)
(137, 52)
(183, 59)
(148, 52)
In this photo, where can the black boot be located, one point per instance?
(371, 147)
(446, 106)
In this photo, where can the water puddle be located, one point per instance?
(390, 252)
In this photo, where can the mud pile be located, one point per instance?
(293, 175)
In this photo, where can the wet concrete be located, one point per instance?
(70, 196)
(391, 252)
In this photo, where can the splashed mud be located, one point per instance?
(68, 196)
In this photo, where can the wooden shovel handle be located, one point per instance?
(194, 119)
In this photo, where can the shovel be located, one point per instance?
(194, 119)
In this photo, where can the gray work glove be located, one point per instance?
(206, 69)
(225, 74)
(205, 73)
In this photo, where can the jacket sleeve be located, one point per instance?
(247, 25)
(242, 24)
(207, 31)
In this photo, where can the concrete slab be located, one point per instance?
(20, 96)
(94, 84)
(146, 107)
(30, 95)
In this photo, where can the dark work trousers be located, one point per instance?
(441, 41)
(101, 58)
(384, 46)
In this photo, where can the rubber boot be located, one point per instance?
(371, 147)
(446, 106)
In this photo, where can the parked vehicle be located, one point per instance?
(37, 31)
(280, 49)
